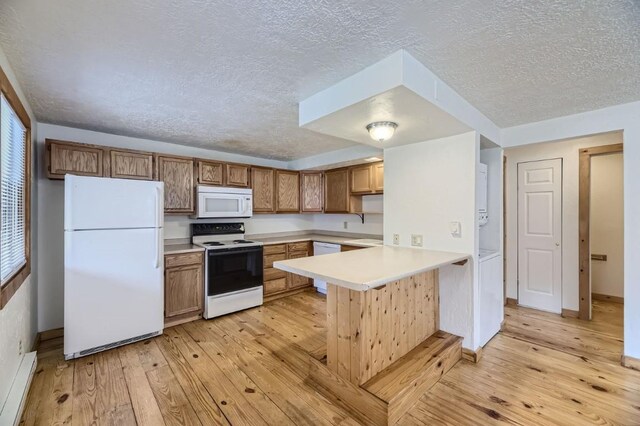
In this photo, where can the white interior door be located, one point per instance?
(540, 235)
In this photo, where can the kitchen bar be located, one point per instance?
(384, 343)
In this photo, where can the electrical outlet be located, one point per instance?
(396, 239)
(416, 240)
(345, 224)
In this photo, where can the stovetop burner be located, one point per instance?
(242, 242)
(213, 243)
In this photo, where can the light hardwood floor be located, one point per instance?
(250, 368)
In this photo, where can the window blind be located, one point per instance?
(12, 192)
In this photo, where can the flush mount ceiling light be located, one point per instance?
(381, 130)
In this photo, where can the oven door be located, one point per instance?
(221, 205)
(235, 269)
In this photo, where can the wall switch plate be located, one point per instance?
(346, 224)
(416, 240)
(396, 239)
(455, 229)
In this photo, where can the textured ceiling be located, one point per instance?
(228, 75)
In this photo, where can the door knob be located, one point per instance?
(557, 244)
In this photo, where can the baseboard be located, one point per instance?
(568, 313)
(607, 298)
(511, 302)
(472, 356)
(51, 334)
(630, 362)
(14, 406)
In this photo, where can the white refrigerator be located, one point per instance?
(113, 263)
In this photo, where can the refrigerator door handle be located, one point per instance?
(156, 262)
(159, 205)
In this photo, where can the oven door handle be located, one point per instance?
(255, 249)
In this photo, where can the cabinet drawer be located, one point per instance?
(273, 274)
(270, 258)
(173, 260)
(275, 286)
(303, 246)
(275, 248)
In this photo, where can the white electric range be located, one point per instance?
(233, 268)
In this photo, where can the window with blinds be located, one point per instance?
(12, 192)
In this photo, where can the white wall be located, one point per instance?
(620, 117)
(179, 226)
(427, 185)
(568, 152)
(607, 224)
(19, 317)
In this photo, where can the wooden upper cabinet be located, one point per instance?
(378, 177)
(131, 165)
(263, 184)
(311, 199)
(287, 191)
(361, 179)
(78, 159)
(179, 190)
(237, 175)
(336, 191)
(367, 179)
(210, 173)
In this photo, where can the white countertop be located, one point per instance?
(181, 248)
(369, 268)
(334, 239)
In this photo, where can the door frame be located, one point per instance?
(504, 228)
(584, 223)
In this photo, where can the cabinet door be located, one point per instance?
(294, 280)
(275, 286)
(311, 191)
(78, 159)
(131, 165)
(336, 191)
(361, 179)
(210, 173)
(263, 182)
(179, 190)
(237, 175)
(378, 177)
(287, 191)
(183, 290)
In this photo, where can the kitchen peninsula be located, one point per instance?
(384, 343)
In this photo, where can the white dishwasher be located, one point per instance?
(318, 250)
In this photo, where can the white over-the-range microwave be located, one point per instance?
(221, 202)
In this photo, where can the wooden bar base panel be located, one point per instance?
(384, 347)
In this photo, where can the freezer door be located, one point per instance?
(113, 286)
(102, 203)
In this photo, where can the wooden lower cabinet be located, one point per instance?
(278, 283)
(295, 281)
(183, 287)
(345, 247)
